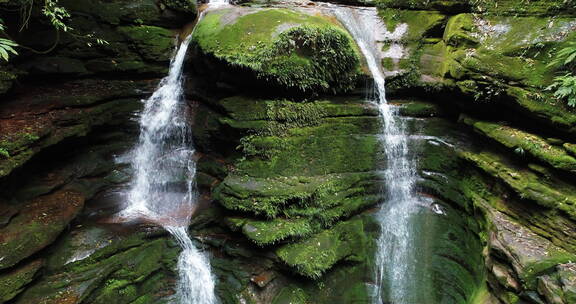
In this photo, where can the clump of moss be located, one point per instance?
(524, 142)
(312, 257)
(293, 50)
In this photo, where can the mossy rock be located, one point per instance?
(314, 256)
(186, 6)
(14, 281)
(309, 155)
(524, 142)
(496, 7)
(267, 232)
(420, 109)
(6, 81)
(421, 23)
(150, 12)
(127, 270)
(62, 117)
(312, 196)
(289, 49)
(151, 42)
(441, 5)
(37, 224)
(550, 193)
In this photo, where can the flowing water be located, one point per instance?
(396, 280)
(163, 189)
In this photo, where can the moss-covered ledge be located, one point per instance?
(289, 49)
(548, 151)
(42, 117)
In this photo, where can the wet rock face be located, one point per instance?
(490, 68)
(290, 185)
(290, 195)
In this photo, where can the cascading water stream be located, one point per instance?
(395, 273)
(163, 190)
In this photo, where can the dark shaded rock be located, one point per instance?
(38, 224)
(15, 280)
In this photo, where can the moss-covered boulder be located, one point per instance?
(289, 49)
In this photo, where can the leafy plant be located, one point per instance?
(566, 57)
(56, 14)
(4, 153)
(565, 88)
(6, 45)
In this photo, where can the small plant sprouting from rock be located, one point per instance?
(4, 153)
(565, 89)
(564, 86)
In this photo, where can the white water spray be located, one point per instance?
(395, 273)
(163, 190)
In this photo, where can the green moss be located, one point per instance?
(571, 148)
(420, 22)
(552, 194)
(38, 225)
(187, 6)
(14, 281)
(287, 195)
(6, 80)
(420, 109)
(267, 232)
(499, 7)
(532, 144)
(151, 42)
(530, 274)
(314, 256)
(291, 295)
(309, 155)
(123, 271)
(283, 47)
(554, 113)
(458, 32)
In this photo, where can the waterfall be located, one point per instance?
(163, 190)
(395, 275)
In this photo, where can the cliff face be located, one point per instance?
(490, 64)
(290, 165)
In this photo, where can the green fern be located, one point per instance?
(565, 88)
(566, 57)
(6, 45)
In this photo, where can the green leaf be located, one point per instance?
(4, 54)
(570, 58)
